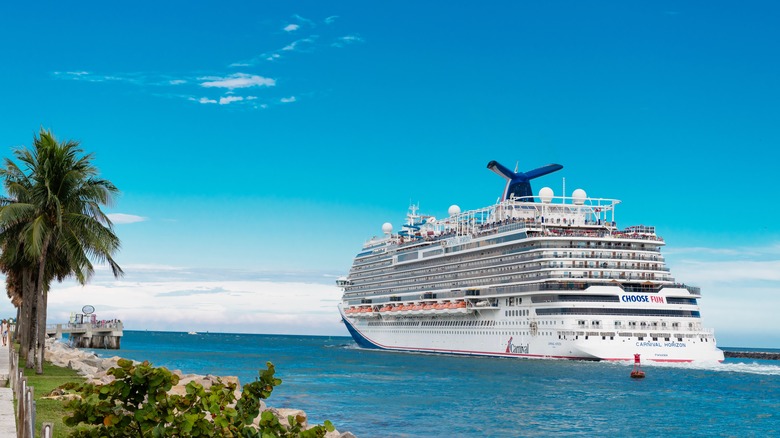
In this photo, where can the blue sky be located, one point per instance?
(263, 142)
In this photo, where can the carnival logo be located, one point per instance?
(517, 349)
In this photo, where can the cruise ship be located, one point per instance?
(546, 277)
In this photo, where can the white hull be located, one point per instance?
(546, 344)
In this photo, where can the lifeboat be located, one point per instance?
(386, 309)
(461, 305)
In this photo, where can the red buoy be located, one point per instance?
(637, 372)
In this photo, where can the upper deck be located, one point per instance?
(572, 216)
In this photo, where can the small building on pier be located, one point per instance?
(86, 331)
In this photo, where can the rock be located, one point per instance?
(82, 368)
(94, 368)
(752, 355)
(283, 415)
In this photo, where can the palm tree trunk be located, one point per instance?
(29, 345)
(23, 323)
(41, 338)
(41, 289)
(15, 335)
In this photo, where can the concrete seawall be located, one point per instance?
(752, 355)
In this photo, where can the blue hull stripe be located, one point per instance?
(359, 338)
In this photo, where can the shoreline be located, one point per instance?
(93, 368)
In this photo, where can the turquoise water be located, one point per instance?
(380, 394)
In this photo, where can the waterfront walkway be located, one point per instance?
(7, 417)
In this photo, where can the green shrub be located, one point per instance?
(137, 404)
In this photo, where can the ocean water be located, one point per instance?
(383, 394)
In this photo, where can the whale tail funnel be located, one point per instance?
(518, 184)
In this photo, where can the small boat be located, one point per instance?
(192, 333)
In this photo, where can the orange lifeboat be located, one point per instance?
(461, 305)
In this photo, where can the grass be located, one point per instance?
(48, 410)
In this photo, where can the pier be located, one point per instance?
(106, 334)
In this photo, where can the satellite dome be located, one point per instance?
(453, 210)
(579, 196)
(546, 194)
(387, 228)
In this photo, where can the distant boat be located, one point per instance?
(192, 333)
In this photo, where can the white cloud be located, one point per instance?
(331, 19)
(204, 100)
(238, 80)
(738, 287)
(303, 20)
(229, 99)
(122, 218)
(290, 99)
(299, 44)
(346, 40)
(291, 28)
(736, 271)
(175, 300)
(177, 82)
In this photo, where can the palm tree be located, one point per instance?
(55, 220)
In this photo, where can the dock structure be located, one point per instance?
(89, 335)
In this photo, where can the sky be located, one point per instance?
(258, 144)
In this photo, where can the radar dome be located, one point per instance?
(579, 196)
(453, 210)
(546, 194)
(387, 228)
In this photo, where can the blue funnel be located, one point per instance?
(519, 183)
